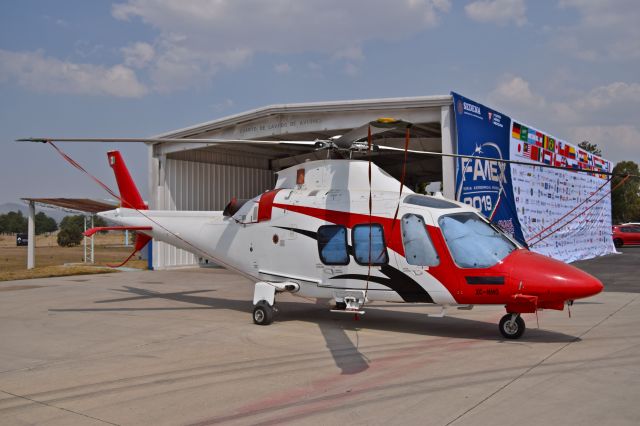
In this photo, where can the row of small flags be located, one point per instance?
(544, 149)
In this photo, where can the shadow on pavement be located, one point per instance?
(334, 327)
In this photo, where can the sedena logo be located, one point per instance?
(474, 109)
(459, 107)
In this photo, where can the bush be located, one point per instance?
(69, 237)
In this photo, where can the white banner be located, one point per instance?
(562, 214)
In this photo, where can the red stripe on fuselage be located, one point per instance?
(349, 220)
(265, 205)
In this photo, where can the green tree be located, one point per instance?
(45, 223)
(625, 200)
(13, 222)
(591, 147)
(72, 227)
(69, 237)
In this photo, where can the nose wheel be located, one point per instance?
(512, 326)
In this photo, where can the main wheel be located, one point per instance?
(511, 329)
(263, 313)
(618, 242)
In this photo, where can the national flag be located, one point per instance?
(535, 153)
(547, 156)
(552, 145)
(583, 156)
(515, 132)
(524, 133)
(598, 163)
(539, 139)
(572, 152)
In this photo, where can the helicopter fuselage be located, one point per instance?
(322, 230)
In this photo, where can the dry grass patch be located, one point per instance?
(51, 259)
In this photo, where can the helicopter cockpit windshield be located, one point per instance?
(473, 242)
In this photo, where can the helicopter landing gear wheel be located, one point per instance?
(263, 313)
(512, 326)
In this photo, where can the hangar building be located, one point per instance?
(534, 199)
(196, 177)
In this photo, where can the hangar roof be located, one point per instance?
(312, 121)
(312, 107)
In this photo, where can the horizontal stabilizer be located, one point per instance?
(141, 239)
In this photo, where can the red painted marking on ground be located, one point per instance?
(330, 392)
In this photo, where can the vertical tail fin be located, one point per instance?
(129, 193)
(129, 198)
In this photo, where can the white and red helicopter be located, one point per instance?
(345, 230)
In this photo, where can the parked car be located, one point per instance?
(626, 235)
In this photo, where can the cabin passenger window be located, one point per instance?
(332, 245)
(473, 242)
(418, 248)
(376, 251)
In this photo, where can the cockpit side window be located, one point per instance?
(418, 248)
(376, 252)
(332, 245)
(473, 242)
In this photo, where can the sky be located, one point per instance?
(137, 68)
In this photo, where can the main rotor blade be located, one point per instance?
(380, 125)
(346, 140)
(319, 144)
(522, 163)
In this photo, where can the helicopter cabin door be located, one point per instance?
(419, 251)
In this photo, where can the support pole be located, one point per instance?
(31, 229)
(92, 245)
(84, 240)
(126, 238)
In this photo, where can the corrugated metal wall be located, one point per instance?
(207, 186)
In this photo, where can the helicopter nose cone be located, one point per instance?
(577, 284)
(551, 279)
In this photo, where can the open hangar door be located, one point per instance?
(199, 177)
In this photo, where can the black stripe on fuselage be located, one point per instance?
(409, 289)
